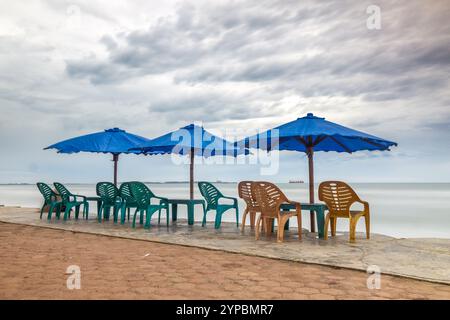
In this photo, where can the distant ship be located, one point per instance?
(296, 181)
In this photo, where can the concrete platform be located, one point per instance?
(424, 259)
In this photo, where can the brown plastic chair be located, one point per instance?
(246, 193)
(339, 197)
(269, 197)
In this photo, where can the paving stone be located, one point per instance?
(321, 296)
(114, 268)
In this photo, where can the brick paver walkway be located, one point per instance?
(34, 261)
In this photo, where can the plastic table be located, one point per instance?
(190, 208)
(318, 208)
(99, 203)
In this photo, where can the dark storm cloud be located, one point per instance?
(317, 49)
(96, 71)
(206, 107)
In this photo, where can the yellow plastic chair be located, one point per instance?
(339, 197)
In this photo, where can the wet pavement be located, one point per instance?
(424, 259)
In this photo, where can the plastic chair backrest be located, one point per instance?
(141, 193)
(46, 191)
(338, 196)
(63, 191)
(210, 193)
(125, 193)
(247, 194)
(108, 192)
(268, 196)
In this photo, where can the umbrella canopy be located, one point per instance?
(310, 134)
(114, 141)
(191, 140)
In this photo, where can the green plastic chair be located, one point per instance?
(143, 196)
(70, 200)
(50, 200)
(128, 201)
(212, 196)
(110, 196)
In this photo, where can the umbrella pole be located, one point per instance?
(115, 159)
(191, 176)
(311, 186)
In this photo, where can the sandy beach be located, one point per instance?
(34, 262)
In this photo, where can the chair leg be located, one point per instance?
(141, 217)
(50, 209)
(204, 218)
(167, 216)
(117, 207)
(77, 211)
(107, 212)
(299, 226)
(257, 230)
(42, 211)
(99, 207)
(252, 219)
(67, 212)
(333, 226)
(237, 217)
(325, 229)
(148, 217)
(353, 222)
(123, 213)
(129, 210)
(280, 231)
(218, 220)
(99, 212)
(205, 211)
(367, 221)
(58, 210)
(269, 225)
(134, 219)
(86, 210)
(263, 225)
(243, 219)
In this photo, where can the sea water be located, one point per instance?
(397, 209)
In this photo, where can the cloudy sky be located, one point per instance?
(74, 67)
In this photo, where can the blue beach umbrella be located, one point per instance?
(311, 134)
(194, 141)
(114, 141)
